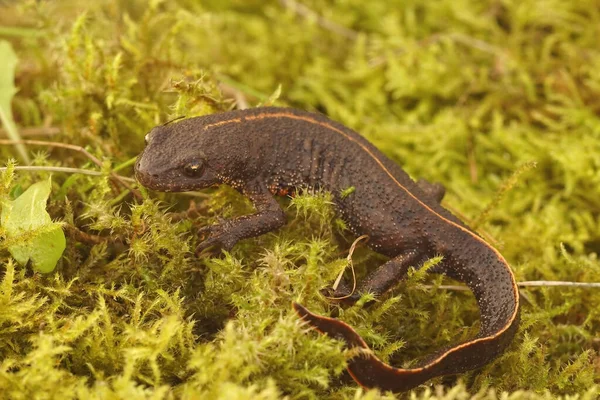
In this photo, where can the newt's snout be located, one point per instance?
(141, 171)
(148, 175)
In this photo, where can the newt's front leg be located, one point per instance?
(268, 217)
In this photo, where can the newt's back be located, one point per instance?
(289, 148)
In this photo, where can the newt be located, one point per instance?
(270, 151)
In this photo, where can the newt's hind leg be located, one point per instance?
(433, 190)
(383, 278)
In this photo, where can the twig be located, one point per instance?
(35, 131)
(558, 283)
(84, 236)
(92, 173)
(80, 149)
(55, 144)
(351, 264)
(68, 170)
(448, 287)
(55, 169)
(323, 22)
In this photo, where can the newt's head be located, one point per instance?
(176, 158)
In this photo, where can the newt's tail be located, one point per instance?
(370, 372)
(488, 275)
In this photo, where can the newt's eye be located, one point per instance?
(194, 169)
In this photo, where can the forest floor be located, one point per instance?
(498, 100)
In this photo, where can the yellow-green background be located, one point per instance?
(499, 100)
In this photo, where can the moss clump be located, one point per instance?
(468, 93)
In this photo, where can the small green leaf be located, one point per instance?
(26, 221)
(7, 91)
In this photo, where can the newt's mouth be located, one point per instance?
(149, 181)
(159, 183)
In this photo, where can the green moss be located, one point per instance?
(468, 93)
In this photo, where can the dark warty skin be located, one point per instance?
(265, 151)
